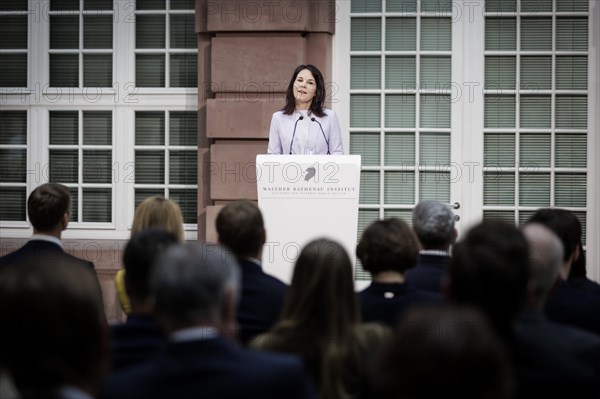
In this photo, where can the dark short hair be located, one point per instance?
(388, 245)
(140, 253)
(53, 326)
(316, 106)
(490, 270)
(47, 204)
(564, 224)
(241, 228)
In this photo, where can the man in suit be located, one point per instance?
(433, 222)
(195, 289)
(48, 209)
(54, 338)
(551, 359)
(241, 229)
(566, 303)
(140, 337)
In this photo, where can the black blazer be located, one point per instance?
(428, 274)
(570, 306)
(212, 368)
(41, 251)
(135, 341)
(261, 301)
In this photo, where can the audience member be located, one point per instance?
(321, 323)
(152, 213)
(195, 289)
(386, 250)
(48, 207)
(433, 222)
(443, 353)
(54, 337)
(567, 304)
(552, 360)
(140, 337)
(489, 270)
(241, 229)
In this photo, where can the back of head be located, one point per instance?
(388, 245)
(490, 270)
(53, 328)
(241, 229)
(443, 353)
(47, 205)
(189, 285)
(545, 259)
(159, 213)
(141, 251)
(433, 223)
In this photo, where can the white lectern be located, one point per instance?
(304, 197)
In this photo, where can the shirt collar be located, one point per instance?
(435, 252)
(44, 237)
(194, 334)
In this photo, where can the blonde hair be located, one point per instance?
(159, 213)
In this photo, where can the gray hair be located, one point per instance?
(545, 257)
(189, 283)
(433, 222)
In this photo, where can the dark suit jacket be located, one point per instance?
(261, 301)
(586, 285)
(554, 360)
(40, 251)
(137, 340)
(428, 274)
(386, 302)
(212, 369)
(567, 305)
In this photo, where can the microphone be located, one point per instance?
(325, 138)
(294, 134)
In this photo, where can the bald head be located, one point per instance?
(545, 259)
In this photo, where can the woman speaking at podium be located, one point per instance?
(303, 126)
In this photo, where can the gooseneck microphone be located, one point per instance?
(294, 134)
(324, 137)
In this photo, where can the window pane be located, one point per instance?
(13, 200)
(13, 5)
(401, 34)
(188, 202)
(64, 128)
(536, 73)
(64, 32)
(150, 5)
(365, 72)
(182, 31)
(150, 31)
(13, 127)
(535, 150)
(13, 165)
(572, 34)
(13, 70)
(498, 189)
(404, 214)
(500, 34)
(366, 34)
(98, 31)
(142, 193)
(150, 167)
(400, 73)
(13, 32)
(535, 111)
(534, 189)
(97, 71)
(499, 150)
(499, 111)
(369, 187)
(535, 6)
(434, 186)
(500, 72)
(435, 73)
(364, 110)
(570, 150)
(400, 110)
(64, 70)
(150, 70)
(399, 188)
(400, 149)
(501, 5)
(183, 167)
(401, 5)
(536, 34)
(572, 5)
(505, 216)
(97, 166)
(571, 73)
(436, 34)
(435, 111)
(97, 127)
(438, 6)
(570, 190)
(64, 166)
(183, 4)
(98, 4)
(63, 5)
(366, 6)
(367, 145)
(183, 128)
(571, 112)
(74, 216)
(184, 70)
(434, 149)
(97, 205)
(150, 128)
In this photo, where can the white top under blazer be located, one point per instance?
(309, 137)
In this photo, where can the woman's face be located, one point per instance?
(305, 88)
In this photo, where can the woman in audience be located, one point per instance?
(321, 323)
(386, 250)
(153, 213)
